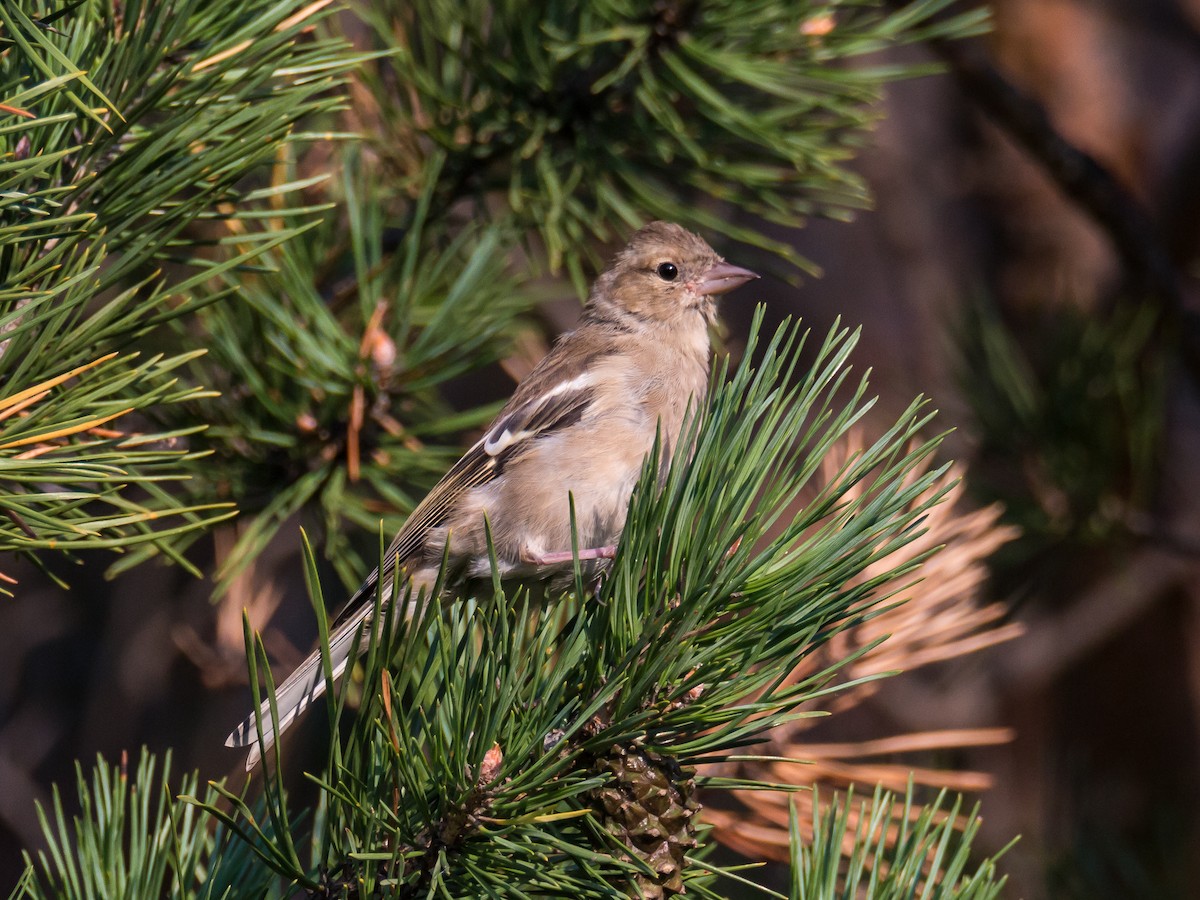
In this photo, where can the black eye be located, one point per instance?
(667, 271)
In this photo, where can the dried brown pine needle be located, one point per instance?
(940, 618)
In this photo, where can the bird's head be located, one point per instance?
(664, 275)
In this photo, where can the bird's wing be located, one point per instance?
(559, 405)
(524, 419)
(553, 396)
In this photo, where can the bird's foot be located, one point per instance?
(565, 556)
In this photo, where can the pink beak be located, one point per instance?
(723, 277)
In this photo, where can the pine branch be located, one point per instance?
(893, 854)
(506, 745)
(131, 125)
(1070, 421)
(942, 617)
(132, 838)
(585, 120)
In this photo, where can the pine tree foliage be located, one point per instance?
(1070, 418)
(587, 119)
(163, 193)
(138, 144)
(511, 747)
(124, 125)
(893, 854)
(132, 838)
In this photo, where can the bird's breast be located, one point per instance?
(594, 463)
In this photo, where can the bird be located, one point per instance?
(577, 430)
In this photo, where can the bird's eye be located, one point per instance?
(667, 271)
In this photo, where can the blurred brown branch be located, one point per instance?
(1078, 174)
(1082, 179)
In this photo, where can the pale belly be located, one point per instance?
(594, 466)
(529, 508)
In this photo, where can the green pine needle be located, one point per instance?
(124, 833)
(132, 127)
(469, 766)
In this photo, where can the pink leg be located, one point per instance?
(551, 559)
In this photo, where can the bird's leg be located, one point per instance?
(563, 556)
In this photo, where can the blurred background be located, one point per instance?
(1031, 263)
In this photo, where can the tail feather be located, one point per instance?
(300, 689)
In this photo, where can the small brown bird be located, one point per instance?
(579, 426)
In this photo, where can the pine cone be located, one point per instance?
(650, 807)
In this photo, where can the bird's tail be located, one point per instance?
(302, 687)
